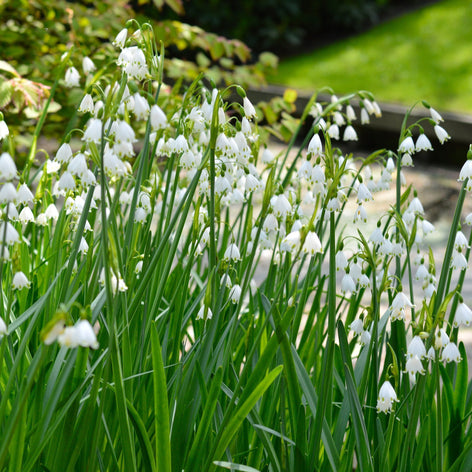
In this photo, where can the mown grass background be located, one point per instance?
(425, 54)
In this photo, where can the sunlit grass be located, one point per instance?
(426, 54)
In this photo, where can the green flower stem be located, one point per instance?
(439, 418)
(211, 201)
(39, 126)
(408, 442)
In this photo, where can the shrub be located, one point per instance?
(38, 33)
(284, 27)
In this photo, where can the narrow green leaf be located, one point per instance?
(123, 419)
(294, 398)
(360, 431)
(161, 406)
(143, 438)
(19, 404)
(274, 433)
(421, 442)
(311, 398)
(408, 442)
(205, 421)
(241, 413)
(460, 386)
(232, 466)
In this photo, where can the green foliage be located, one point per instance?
(170, 291)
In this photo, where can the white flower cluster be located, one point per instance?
(287, 207)
(82, 334)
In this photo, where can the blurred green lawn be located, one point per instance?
(424, 55)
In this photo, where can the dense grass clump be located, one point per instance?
(175, 296)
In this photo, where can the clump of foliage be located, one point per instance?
(175, 296)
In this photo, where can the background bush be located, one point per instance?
(38, 33)
(281, 25)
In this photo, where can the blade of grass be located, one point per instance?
(239, 415)
(195, 456)
(232, 466)
(360, 430)
(161, 406)
(312, 400)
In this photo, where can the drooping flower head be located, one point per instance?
(387, 397)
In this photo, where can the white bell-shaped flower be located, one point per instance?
(416, 348)
(281, 206)
(291, 242)
(120, 38)
(26, 216)
(8, 233)
(87, 105)
(93, 131)
(312, 244)
(20, 281)
(458, 260)
(357, 326)
(81, 334)
(72, 77)
(341, 261)
(465, 173)
(64, 153)
(88, 66)
(4, 131)
(204, 313)
(407, 146)
(267, 156)
(441, 339)
(451, 353)
(441, 134)
(235, 293)
(350, 134)
(315, 146)
(232, 253)
(24, 194)
(387, 397)
(463, 315)
(7, 167)
(333, 131)
(414, 366)
(460, 242)
(141, 107)
(399, 306)
(158, 118)
(423, 143)
(249, 110)
(8, 193)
